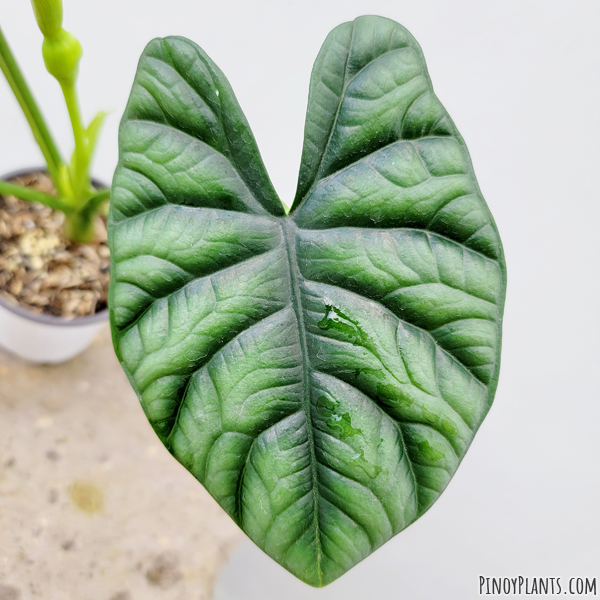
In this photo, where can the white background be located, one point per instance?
(521, 80)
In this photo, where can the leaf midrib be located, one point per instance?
(288, 230)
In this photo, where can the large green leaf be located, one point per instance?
(323, 373)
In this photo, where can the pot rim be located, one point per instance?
(41, 317)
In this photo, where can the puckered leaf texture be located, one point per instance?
(321, 373)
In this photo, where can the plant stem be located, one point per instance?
(79, 226)
(79, 174)
(94, 203)
(19, 86)
(25, 193)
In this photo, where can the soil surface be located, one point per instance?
(40, 269)
(92, 506)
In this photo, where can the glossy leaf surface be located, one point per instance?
(323, 373)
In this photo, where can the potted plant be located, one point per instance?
(323, 371)
(54, 259)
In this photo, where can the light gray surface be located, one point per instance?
(520, 79)
(92, 507)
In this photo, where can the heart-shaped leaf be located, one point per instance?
(323, 373)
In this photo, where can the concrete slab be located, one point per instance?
(92, 506)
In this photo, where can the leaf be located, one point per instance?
(93, 130)
(322, 374)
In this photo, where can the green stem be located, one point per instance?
(80, 224)
(79, 227)
(25, 193)
(21, 90)
(79, 175)
(94, 203)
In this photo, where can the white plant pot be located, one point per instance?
(44, 338)
(41, 338)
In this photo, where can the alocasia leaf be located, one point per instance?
(321, 373)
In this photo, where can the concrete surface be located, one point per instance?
(92, 506)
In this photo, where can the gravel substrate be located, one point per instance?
(40, 269)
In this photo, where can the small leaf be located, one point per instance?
(322, 374)
(93, 130)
